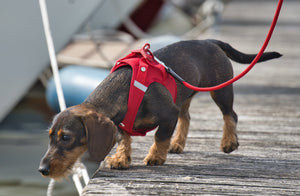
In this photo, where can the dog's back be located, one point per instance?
(207, 59)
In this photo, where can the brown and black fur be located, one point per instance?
(92, 125)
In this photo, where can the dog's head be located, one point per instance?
(74, 131)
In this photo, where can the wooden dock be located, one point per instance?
(267, 101)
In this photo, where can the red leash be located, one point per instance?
(214, 88)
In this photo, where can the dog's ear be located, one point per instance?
(100, 133)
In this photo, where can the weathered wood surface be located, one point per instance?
(267, 101)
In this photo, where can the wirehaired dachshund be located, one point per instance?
(92, 125)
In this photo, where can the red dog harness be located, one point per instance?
(145, 70)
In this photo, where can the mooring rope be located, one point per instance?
(79, 170)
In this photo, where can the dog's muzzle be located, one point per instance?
(44, 169)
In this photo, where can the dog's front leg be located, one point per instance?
(159, 150)
(157, 153)
(122, 158)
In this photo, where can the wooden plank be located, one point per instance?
(267, 101)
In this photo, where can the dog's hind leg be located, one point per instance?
(224, 99)
(122, 158)
(178, 141)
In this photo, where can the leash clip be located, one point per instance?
(146, 52)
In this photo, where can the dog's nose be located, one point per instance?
(44, 170)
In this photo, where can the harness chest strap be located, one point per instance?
(145, 70)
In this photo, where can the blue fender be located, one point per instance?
(77, 83)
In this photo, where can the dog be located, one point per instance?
(93, 125)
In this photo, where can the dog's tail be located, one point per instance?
(240, 57)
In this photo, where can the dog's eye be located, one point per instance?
(66, 138)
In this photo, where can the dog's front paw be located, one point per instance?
(151, 159)
(176, 148)
(117, 162)
(229, 144)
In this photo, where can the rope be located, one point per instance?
(79, 170)
(50, 187)
(51, 50)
